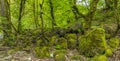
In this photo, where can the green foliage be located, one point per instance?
(93, 43)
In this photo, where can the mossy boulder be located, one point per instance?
(108, 52)
(99, 58)
(39, 42)
(42, 52)
(60, 51)
(114, 43)
(53, 40)
(61, 43)
(93, 43)
(59, 55)
(71, 40)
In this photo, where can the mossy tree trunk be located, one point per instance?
(5, 18)
(52, 13)
(89, 16)
(41, 16)
(6, 22)
(21, 10)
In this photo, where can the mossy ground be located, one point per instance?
(91, 46)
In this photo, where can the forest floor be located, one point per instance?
(5, 55)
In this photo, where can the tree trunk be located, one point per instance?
(22, 6)
(5, 14)
(52, 14)
(41, 15)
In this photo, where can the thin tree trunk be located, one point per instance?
(41, 15)
(52, 14)
(5, 14)
(22, 6)
(35, 12)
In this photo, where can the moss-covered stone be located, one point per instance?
(42, 52)
(62, 43)
(60, 57)
(60, 51)
(114, 43)
(99, 58)
(39, 42)
(108, 52)
(53, 40)
(71, 40)
(93, 43)
(73, 36)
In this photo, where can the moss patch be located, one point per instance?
(99, 58)
(71, 40)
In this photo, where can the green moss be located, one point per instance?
(62, 42)
(60, 57)
(72, 36)
(108, 52)
(99, 58)
(53, 40)
(71, 40)
(60, 51)
(114, 43)
(72, 43)
(93, 43)
(39, 42)
(76, 57)
(42, 52)
(107, 35)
